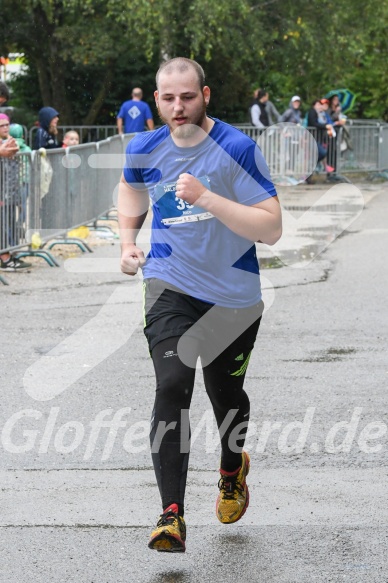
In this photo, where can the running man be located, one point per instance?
(212, 199)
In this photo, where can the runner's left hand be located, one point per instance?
(189, 188)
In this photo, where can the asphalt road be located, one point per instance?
(78, 497)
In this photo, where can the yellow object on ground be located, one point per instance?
(81, 232)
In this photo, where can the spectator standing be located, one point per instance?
(339, 121)
(71, 138)
(9, 186)
(335, 110)
(4, 127)
(134, 114)
(273, 114)
(321, 128)
(259, 114)
(16, 131)
(4, 93)
(332, 137)
(292, 114)
(8, 147)
(337, 115)
(322, 118)
(326, 112)
(46, 136)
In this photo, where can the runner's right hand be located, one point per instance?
(131, 259)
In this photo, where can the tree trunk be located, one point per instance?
(44, 81)
(57, 73)
(94, 110)
(42, 32)
(50, 69)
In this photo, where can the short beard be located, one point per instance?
(188, 130)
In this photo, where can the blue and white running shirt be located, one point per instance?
(190, 248)
(134, 114)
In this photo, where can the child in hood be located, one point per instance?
(16, 131)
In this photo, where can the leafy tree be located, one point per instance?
(84, 57)
(69, 45)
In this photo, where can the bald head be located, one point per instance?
(137, 93)
(181, 65)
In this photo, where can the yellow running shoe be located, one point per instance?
(170, 532)
(233, 499)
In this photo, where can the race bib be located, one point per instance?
(175, 210)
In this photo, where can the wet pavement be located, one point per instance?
(78, 498)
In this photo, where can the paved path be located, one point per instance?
(78, 502)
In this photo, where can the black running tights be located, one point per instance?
(170, 426)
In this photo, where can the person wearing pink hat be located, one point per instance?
(4, 126)
(8, 146)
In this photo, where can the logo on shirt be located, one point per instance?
(134, 112)
(185, 159)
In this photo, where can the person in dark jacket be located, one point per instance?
(273, 114)
(46, 136)
(321, 135)
(292, 114)
(331, 135)
(259, 113)
(321, 128)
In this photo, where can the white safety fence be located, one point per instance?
(356, 148)
(55, 191)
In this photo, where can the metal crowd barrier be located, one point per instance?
(383, 152)
(356, 148)
(290, 151)
(86, 133)
(77, 192)
(365, 122)
(89, 134)
(15, 187)
(365, 149)
(51, 192)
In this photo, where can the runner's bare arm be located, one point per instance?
(132, 210)
(259, 222)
